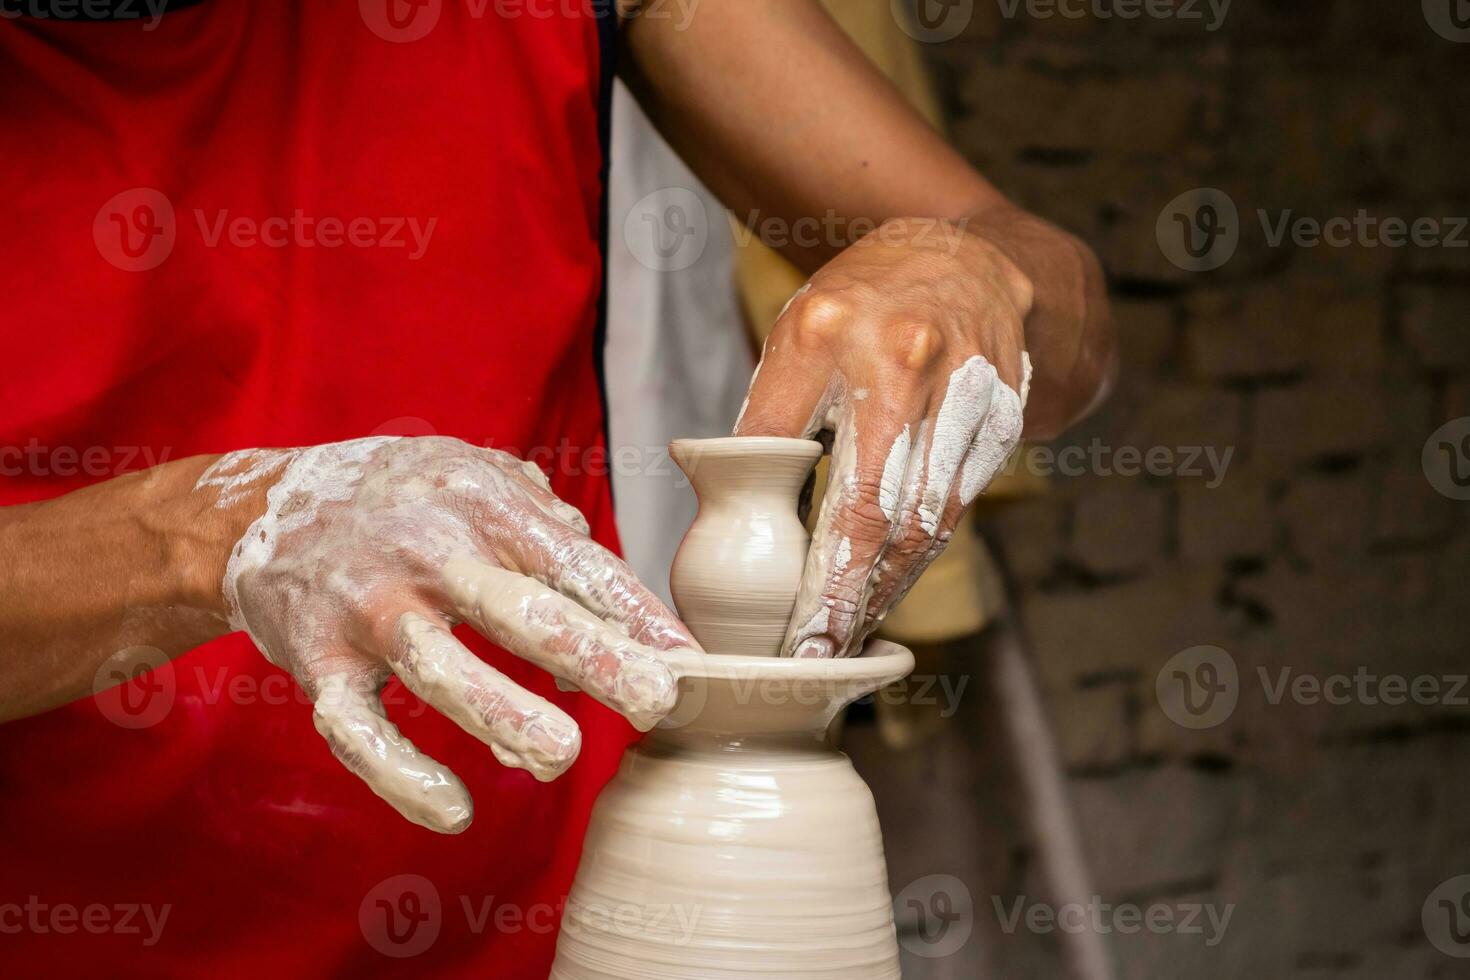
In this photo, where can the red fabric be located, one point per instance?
(230, 810)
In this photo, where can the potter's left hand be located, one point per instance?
(908, 347)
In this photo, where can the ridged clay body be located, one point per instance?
(735, 577)
(734, 842)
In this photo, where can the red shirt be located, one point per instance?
(268, 223)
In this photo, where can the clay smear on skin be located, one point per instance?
(998, 437)
(967, 401)
(844, 554)
(391, 483)
(894, 467)
(233, 473)
(523, 730)
(366, 742)
(977, 428)
(617, 670)
(814, 614)
(313, 477)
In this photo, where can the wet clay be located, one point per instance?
(734, 842)
(734, 579)
(367, 553)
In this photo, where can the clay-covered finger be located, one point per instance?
(552, 505)
(872, 452)
(602, 583)
(962, 412)
(534, 621)
(928, 512)
(362, 738)
(524, 730)
(792, 385)
(998, 436)
(903, 563)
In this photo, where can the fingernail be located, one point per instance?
(816, 648)
(455, 819)
(648, 693)
(558, 745)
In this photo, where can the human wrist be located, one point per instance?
(198, 527)
(1012, 243)
(1067, 328)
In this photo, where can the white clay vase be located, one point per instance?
(734, 579)
(734, 842)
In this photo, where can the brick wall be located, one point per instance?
(1323, 549)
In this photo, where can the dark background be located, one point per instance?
(1326, 548)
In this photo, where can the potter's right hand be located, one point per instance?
(366, 553)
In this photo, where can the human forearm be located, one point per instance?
(135, 561)
(787, 121)
(783, 117)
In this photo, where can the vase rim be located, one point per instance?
(748, 446)
(879, 659)
(734, 694)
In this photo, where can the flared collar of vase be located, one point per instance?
(724, 696)
(736, 463)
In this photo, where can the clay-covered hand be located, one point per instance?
(369, 551)
(909, 349)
